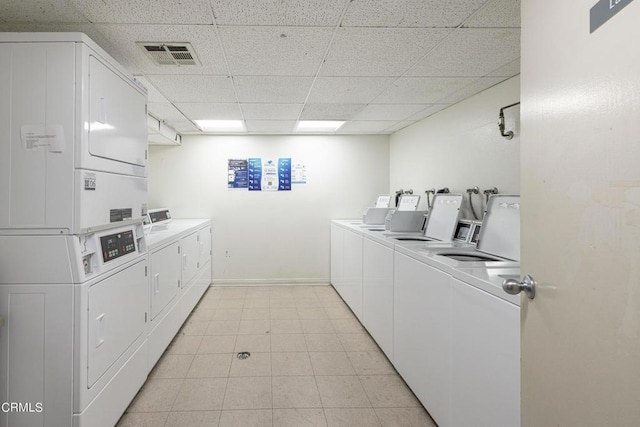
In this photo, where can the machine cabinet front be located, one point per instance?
(116, 316)
(422, 334)
(117, 117)
(377, 294)
(204, 237)
(36, 354)
(165, 277)
(190, 252)
(485, 358)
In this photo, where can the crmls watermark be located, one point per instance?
(21, 407)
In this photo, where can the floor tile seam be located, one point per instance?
(365, 393)
(177, 394)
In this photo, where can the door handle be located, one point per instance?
(513, 287)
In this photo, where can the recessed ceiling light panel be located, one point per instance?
(318, 125)
(221, 125)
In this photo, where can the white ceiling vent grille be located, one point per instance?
(170, 53)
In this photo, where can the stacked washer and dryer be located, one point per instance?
(74, 279)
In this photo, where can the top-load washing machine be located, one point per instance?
(498, 241)
(73, 256)
(440, 225)
(456, 333)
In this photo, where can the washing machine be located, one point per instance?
(497, 242)
(440, 225)
(431, 309)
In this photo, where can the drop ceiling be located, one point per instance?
(380, 65)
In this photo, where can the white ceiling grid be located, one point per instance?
(380, 65)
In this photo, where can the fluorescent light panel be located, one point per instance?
(221, 125)
(318, 125)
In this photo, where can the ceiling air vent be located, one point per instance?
(170, 53)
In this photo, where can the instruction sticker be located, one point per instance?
(42, 138)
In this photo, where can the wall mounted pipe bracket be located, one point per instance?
(508, 134)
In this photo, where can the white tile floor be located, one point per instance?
(311, 364)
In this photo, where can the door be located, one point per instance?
(190, 249)
(118, 119)
(116, 315)
(165, 277)
(580, 186)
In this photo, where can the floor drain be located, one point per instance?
(243, 355)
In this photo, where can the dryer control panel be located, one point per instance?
(117, 245)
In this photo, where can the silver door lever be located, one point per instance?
(513, 287)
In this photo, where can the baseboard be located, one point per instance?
(268, 282)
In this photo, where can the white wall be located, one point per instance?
(270, 237)
(461, 147)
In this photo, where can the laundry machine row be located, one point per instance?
(434, 304)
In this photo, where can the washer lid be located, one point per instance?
(500, 233)
(443, 216)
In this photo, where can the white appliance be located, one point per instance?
(498, 241)
(441, 221)
(435, 361)
(73, 256)
(75, 320)
(180, 273)
(73, 135)
(375, 215)
(406, 217)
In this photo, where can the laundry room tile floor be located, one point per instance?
(311, 363)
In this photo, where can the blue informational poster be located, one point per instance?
(255, 174)
(238, 174)
(269, 175)
(284, 174)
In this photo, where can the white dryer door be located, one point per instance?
(117, 307)
(117, 117)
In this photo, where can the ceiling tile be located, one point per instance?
(192, 88)
(288, 51)
(39, 11)
(279, 126)
(324, 13)
(378, 51)
(330, 111)
(389, 111)
(367, 126)
(509, 70)
(350, 90)
(422, 90)
(470, 52)
(497, 14)
(145, 12)
(272, 89)
(204, 40)
(210, 111)
(409, 13)
(400, 125)
(428, 111)
(472, 89)
(165, 111)
(271, 111)
(152, 93)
